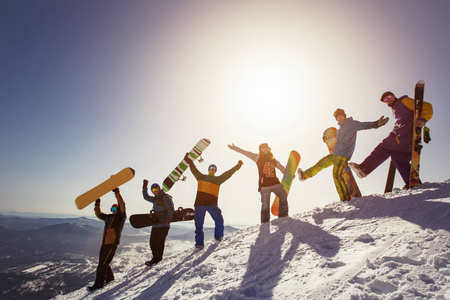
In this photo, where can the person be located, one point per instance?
(207, 199)
(111, 238)
(342, 151)
(164, 209)
(398, 144)
(268, 182)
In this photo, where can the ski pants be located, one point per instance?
(158, 242)
(401, 161)
(199, 219)
(281, 193)
(104, 271)
(339, 162)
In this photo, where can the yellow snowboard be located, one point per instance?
(106, 186)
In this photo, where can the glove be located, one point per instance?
(382, 121)
(145, 185)
(239, 164)
(187, 159)
(116, 190)
(97, 202)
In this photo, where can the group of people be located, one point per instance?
(397, 145)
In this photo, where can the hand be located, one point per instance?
(116, 190)
(145, 185)
(232, 146)
(382, 121)
(420, 123)
(239, 164)
(187, 158)
(97, 202)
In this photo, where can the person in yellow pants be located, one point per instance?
(342, 151)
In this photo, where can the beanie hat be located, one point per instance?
(338, 112)
(386, 94)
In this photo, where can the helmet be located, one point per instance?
(213, 167)
(386, 94)
(155, 187)
(114, 208)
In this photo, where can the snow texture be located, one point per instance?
(393, 246)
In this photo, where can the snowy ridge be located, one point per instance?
(394, 246)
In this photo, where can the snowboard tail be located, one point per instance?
(291, 167)
(146, 220)
(106, 186)
(175, 175)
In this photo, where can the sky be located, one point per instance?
(88, 88)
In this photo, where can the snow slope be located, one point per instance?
(394, 246)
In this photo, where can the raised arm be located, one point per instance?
(251, 155)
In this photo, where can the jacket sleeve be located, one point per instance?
(367, 125)
(98, 213)
(225, 176)
(195, 171)
(120, 202)
(251, 155)
(147, 196)
(427, 111)
(169, 205)
(427, 108)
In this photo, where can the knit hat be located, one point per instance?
(338, 112)
(386, 94)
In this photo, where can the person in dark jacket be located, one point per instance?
(163, 208)
(207, 199)
(268, 182)
(111, 238)
(342, 151)
(398, 144)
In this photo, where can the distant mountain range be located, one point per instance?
(43, 257)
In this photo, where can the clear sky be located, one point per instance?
(90, 87)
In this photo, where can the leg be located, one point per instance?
(106, 255)
(341, 186)
(199, 220)
(401, 161)
(284, 207)
(319, 166)
(160, 243)
(216, 215)
(376, 158)
(265, 205)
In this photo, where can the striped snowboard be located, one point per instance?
(182, 166)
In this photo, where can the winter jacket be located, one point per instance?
(208, 186)
(346, 136)
(163, 207)
(113, 224)
(400, 138)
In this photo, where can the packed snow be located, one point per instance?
(393, 246)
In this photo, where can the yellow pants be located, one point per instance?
(339, 163)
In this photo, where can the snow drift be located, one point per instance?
(393, 246)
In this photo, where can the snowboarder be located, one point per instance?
(163, 208)
(111, 238)
(342, 151)
(207, 199)
(268, 181)
(398, 144)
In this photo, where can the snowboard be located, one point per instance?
(106, 186)
(145, 220)
(329, 138)
(175, 175)
(291, 167)
(417, 135)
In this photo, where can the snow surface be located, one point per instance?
(393, 246)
